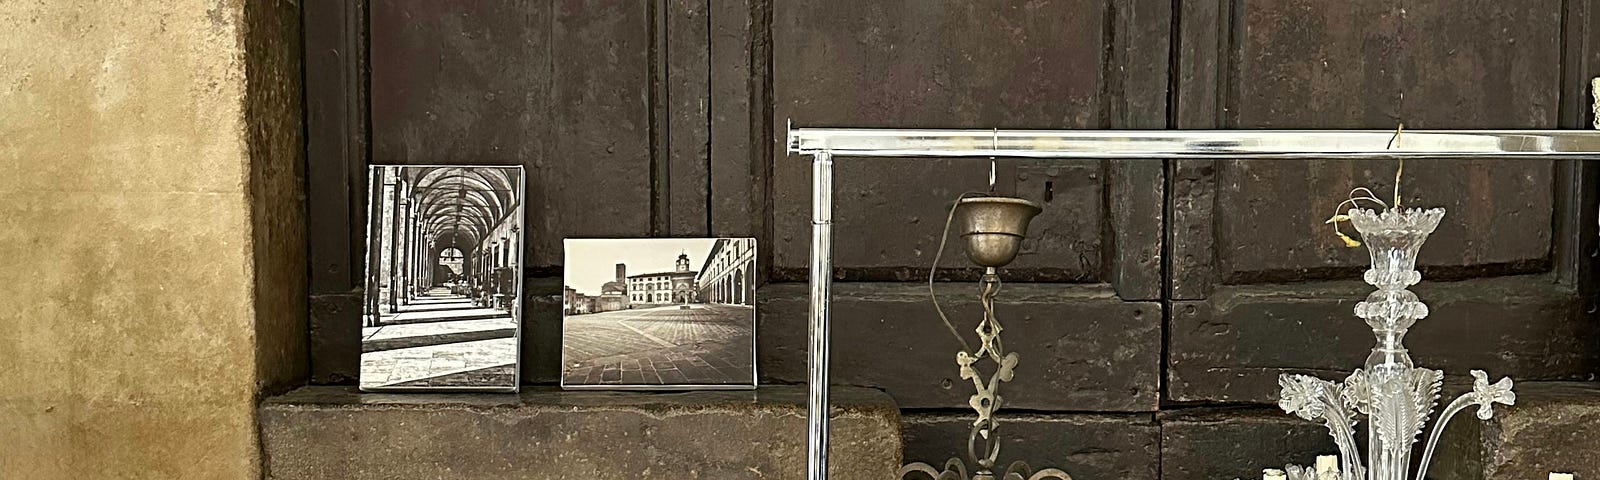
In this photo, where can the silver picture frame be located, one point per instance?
(442, 306)
(659, 314)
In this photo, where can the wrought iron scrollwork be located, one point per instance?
(983, 443)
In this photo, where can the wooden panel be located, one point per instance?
(688, 104)
(1072, 64)
(1269, 220)
(914, 64)
(1138, 76)
(460, 83)
(1375, 63)
(1081, 348)
(1232, 346)
(1248, 244)
(1365, 64)
(888, 230)
(1085, 445)
(1137, 217)
(918, 64)
(336, 143)
(1189, 235)
(595, 184)
(1213, 443)
(336, 157)
(741, 117)
(560, 87)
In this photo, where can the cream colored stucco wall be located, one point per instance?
(129, 256)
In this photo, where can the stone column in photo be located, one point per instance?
(151, 234)
(408, 248)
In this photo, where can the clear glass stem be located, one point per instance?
(1455, 407)
(1349, 455)
(1388, 462)
(1389, 369)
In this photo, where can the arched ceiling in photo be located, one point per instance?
(461, 205)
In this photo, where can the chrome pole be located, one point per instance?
(821, 278)
(1214, 144)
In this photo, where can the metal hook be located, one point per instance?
(994, 144)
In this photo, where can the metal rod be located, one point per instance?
(821, 278)
(1167, 144)
(822, 144)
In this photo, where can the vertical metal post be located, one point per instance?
(821, 278)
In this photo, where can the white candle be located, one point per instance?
(1560, 476)
(1327, 464)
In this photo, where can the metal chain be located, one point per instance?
(987, 399)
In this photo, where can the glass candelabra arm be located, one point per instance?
(1312, 398)
(1484, 395)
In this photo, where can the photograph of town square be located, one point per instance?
(659, 313)
(443, 302)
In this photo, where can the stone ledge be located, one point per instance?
(544, 433)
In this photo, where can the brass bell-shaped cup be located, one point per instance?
(994, 227)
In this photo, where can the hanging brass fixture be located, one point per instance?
(992, 228)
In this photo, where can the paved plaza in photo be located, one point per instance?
(703, 344)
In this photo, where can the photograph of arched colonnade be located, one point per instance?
(659, 313)
(443, 300)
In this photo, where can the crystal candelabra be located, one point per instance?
(1396, 396)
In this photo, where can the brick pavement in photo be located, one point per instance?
(440, 340)
(701, 345)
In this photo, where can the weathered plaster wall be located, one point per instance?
(145, 206)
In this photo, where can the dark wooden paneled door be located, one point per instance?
(1259, 285)
(666, 118)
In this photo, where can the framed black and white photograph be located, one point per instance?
(659, 313)
(443, 302)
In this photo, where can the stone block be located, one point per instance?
(335, 432)
(1086, 446)
(1554, 427)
